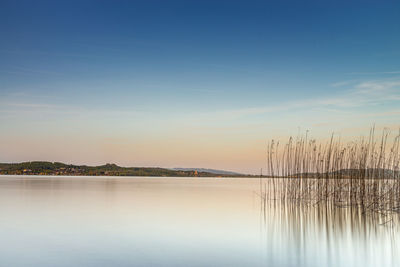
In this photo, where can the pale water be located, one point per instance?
(92, 221)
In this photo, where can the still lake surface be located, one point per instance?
(132, 221)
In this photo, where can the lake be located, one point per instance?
(141, 221)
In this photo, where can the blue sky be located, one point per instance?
(191, 83)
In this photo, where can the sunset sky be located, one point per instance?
(191, 83)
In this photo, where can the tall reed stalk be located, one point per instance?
(363, 173)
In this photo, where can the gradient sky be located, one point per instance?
(191, 83)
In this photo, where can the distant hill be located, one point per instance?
(221, 172)
(58, 168)
(368, 173)
(354, 173)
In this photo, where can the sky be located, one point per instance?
(191, 83)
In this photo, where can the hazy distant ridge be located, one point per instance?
(222, 172)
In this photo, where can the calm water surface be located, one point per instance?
(88, 221)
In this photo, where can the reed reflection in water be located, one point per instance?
(328, 235)
(108, 221)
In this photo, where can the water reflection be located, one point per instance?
(104, 221)
(327, 235)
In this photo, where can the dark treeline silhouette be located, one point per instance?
(58, 168)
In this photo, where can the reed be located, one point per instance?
(363, 173)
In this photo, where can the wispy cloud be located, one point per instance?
(31, 105)
(362, 94)
(377, 87)
(46, 53)
(374, 73)
(29, 72)
(22, 105)
(359, 97)
(343, 83)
